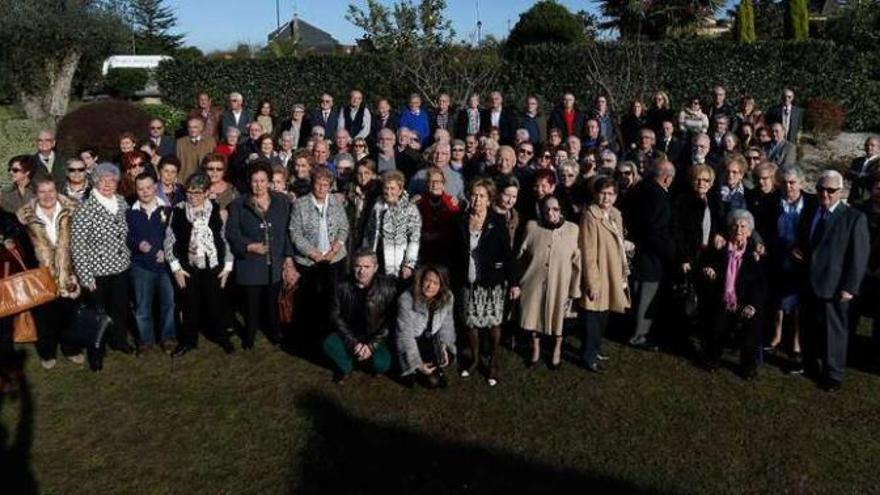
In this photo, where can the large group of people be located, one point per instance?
(408, 241)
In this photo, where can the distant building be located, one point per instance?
(310, 38)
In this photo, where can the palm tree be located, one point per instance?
(655, 19)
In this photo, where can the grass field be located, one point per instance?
(267, 422)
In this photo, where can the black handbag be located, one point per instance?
(87, 329)
(687, 296)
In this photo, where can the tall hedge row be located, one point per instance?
(813, 69)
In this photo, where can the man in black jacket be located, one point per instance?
(497, 115)
(648, 218)
(836, 245)
(361, 314)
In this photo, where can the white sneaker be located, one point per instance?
(602, 357)
(465, 373)
(47, 363)
(77, 359)
(492, 382)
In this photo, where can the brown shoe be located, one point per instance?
(146, 349)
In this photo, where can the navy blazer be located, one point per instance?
(167, 146)
(774, 115)
(507, 123)
(840, 258)
(329, 125)
(245, 226)
(228, 120)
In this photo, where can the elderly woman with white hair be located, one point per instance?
(735, 292)
(100, 253)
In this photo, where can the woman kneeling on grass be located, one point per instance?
(426, 328)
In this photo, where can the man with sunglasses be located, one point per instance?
(236, 115)
(835, 243)
(789, 115)
(165, 145)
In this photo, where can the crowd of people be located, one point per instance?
(413, 241)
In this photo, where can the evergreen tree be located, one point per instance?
(798, 27)
(655, 20)
(547, 22)
(745, 22)
(152, 23)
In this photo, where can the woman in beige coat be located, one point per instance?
(551, 264)
(605, 268)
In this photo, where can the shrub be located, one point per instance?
(124, 83)
(825, 118)
(99, 124)
(813, 68)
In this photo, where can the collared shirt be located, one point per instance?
(237, 116)
(496, 117)
(822, 213)
(48, 161)
(51, 223)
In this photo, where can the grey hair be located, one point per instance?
(343, 157)
(235, 95)
(789, 171)
(233, 129)
(286, 135)
(830, 175)
(523, 133)
(741, 214)
(107, 168)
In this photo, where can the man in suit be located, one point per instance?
(48, 162)
(645, 153)
(384, 118)
(236, 115)
(788, 114)
(567, 118)
(648, 218)
(356, 118)
(668, 144)
(193, 147)
(860, 171)
(781, 152)
(164, 144)
(325, 116)
(835, 243)
(501, 117)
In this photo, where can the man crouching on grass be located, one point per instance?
(361, 313)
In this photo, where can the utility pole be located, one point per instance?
(277, 14)
(479, 24)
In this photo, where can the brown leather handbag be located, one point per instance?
(26, 289)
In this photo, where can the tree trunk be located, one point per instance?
(51, 104)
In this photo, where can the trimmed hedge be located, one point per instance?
(814, 69)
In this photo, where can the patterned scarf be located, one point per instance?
(734, 261)
(202, 250)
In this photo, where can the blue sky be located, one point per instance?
(220, 24)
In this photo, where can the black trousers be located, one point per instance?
(824, 336)
(200, 300)
(111, 296)
(317, 288)
(747, 330)
(261, 311)
(595, 323)
(53, 327)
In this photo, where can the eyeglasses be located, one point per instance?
(326, 101)
(627, 173)
(552, 208)
(459, 150)
(214, 169)
(547, 157)
(526, 152)
(156, 128)
(195, 192)
(14, 170)
(360, 146)
(827, 190)
(76, 169)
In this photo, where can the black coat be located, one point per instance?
(507, 124)
(687, 225)
(648, 218)
(495, 261)
(840, 257)
(673, 149)
(557, 121)
(656, 117)
(305, 131)
(630, 126)
(751, 280)
(329, 125)
(461, 123)
(376, 124)
(245, 226)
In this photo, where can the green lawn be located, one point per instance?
(267, 422)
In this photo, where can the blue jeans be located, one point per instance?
(146, 284)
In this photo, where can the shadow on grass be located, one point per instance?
(347, 454)
(16, 475)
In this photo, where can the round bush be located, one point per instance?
(99, 124)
